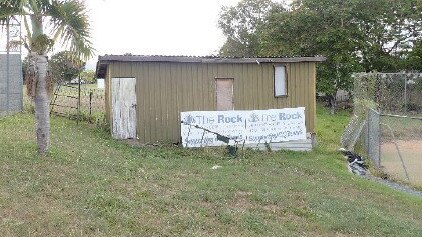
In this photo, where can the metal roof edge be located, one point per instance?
(206, 59)
(100, 68)
(103, 61)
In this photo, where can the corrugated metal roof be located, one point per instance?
(207, 59)
(104, 60)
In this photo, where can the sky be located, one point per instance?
(156, 27)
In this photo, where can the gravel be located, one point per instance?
(394, 185)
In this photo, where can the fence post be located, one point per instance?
(90, 102)
(373, 144)
(405, 94)
(79, 98)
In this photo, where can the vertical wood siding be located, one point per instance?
(107, 94)
(164, 89)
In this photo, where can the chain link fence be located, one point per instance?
(394, 93)
(401, 147)
(387, 123)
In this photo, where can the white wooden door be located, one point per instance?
(123, 103)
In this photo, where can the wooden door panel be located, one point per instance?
(124, 108)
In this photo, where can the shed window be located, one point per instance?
(280, 81)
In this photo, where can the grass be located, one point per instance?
(92, 185)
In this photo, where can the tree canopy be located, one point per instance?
(354, 35)
(414, 59)
(64, 66)
(243, 25)
(88, 76)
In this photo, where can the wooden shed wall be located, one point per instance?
(107, 94)
(164, 89)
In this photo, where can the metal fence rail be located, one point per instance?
(92, 102)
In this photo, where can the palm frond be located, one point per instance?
(70, 25)
(9, 8)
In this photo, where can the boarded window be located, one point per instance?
(224, 93)
(280, 81)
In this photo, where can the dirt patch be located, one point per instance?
(411, 151)
(133, 142)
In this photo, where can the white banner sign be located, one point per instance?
(210, 128)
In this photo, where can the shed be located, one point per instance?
(145, 94)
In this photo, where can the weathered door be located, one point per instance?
(123, 108)
(224, 93)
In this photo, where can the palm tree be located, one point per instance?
(66, 22)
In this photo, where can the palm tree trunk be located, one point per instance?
(42, 104)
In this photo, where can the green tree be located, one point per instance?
(414, 59)
(317, 28)
(354, 35)
(390, 27)
(88, 76)
(242, 25)
(64, 66)
(67, 22)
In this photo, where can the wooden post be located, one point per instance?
(405, 94)
(90, 102)
(79, 98)
(7, 66)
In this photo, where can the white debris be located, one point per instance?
(215, 167)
